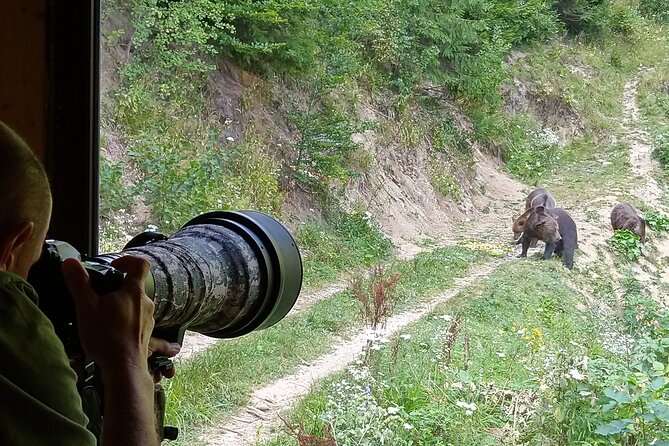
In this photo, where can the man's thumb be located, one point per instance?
(78, 282)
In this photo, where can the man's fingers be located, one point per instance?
(78, 282)
(163, 348)
(136, 270)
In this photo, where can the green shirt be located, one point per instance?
(39, 402)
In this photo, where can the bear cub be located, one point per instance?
(623, 216)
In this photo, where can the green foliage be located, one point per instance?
(620, 398)
(346, 241)
(446, 184)
(529, 153)
(661, 151)
(325, 150)
(656, 221)
(580, 15)
(627, 244)
(177, 185)
(185, 37)
(113, 194)
(655, 9)
(624, 20)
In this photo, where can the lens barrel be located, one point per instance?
(223, 274)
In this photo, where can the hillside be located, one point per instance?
(420, 164)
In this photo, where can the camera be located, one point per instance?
(223, 274)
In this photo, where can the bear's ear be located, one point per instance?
(539, 209)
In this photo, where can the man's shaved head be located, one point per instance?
(24, 187)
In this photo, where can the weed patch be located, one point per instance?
(344, 242)
(626, 244)
(656, 221)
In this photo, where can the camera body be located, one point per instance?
(55, 300)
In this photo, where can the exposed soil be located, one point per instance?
(650, 271)
(641, 150)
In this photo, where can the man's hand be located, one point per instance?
(163, 348)
(114, 328)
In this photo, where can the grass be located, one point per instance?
(517, 328)
(654, 105)
(573, 87)
(211, 385)
(348, 241)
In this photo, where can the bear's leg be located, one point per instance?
(559, 247)
(548, 252)
(526, 244)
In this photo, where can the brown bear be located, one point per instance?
(519, 223)
(623, 216)
(542, 226)
(539, 197)
(566, 247)
(556, 228)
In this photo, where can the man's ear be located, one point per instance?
(11, 241)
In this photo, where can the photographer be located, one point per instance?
(40, 403)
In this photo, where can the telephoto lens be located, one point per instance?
(223, 274)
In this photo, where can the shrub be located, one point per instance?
(661, 151)
(656, 221)
(581, 15)
(627, 244)
(325, 150)
(113, 193)
(655, 9)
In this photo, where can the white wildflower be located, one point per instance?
(406, 337)
(392, 410)
(575, 374)
(408, 426)
(470, 407)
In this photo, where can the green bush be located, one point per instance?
(582, 15)
(114, 194)
(623, 400)
(656, 221)
(661, 151)
(325, 150)
(655, 9)
(627, 244)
